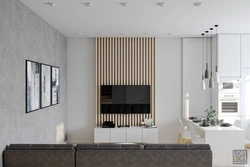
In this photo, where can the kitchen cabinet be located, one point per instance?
(229, 55)
(245, 50)
(245, 89)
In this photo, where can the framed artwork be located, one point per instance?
(32, 86)
(45, 85)
(55, 85)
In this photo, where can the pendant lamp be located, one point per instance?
(217, 76)
(211, 80)
(203, 84)
(206, 70)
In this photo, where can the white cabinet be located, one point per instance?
(245, 50)
(125, 135)
(245, 95)
(118, 135)
(102, 135)
(229, 54)
(134, 135)
(150, 135)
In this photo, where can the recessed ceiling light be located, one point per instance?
(124, 4)
(169, 34)
(160, 3)
(197, 3)
(78, 33)
(51, 4)
(100, 33)
(145, 33)
(124, 34)
(88, 4)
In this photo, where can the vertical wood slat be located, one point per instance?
(96, 77)
(125, 61)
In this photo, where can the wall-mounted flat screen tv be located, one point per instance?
(125, 99)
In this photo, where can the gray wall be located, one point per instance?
(24, 35)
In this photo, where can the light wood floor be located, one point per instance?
(248, 160)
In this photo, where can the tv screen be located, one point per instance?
(125, 99)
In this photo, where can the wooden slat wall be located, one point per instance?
(125, 61)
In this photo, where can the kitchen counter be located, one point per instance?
(223, 140)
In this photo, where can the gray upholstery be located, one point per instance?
(39, 155)
(109, 147)
(40, 147)
(154, 155)
(108, 155)
(177, 147)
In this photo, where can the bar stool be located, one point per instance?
(194, 138)
(184, 134)
(237, 123)
(247, 137)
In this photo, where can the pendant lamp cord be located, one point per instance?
(202, 52)
(216, 46)
(211, 48)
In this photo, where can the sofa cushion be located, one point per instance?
(109, 147)
(40, 147)
(177, 147)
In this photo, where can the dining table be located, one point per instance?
(222, 140)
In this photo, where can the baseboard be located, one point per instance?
(167, 142)
(80, 142)
(92, 142)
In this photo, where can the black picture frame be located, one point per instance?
(55, 85)
(33, 72)
(45, 85)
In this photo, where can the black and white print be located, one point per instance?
(45, 85)
(32, 86)
(55, 85)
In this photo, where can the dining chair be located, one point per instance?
(237, 123)
(247, 137)
(194, 138)
(184, 134)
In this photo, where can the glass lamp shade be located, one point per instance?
(211, 82)
(203, 85)
(217, 76)
(206, 71)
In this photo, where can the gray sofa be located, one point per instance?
(107, 155)
(39, 155)
(134, 155)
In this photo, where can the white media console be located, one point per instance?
(126, 135)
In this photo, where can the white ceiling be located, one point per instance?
(107, 18)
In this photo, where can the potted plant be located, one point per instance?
(212, 114)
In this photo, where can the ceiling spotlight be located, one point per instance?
(124, 4)
(160, 3)
(100, 33)
(169, 34)
(88, 4)
(124, 34)
(78, 33)
(51, 4)
(197, 3)
(145, 33)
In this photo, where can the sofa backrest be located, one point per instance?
(109, 147)
(177, 147)
(39, 155)
(40, 147)
(153, 155)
